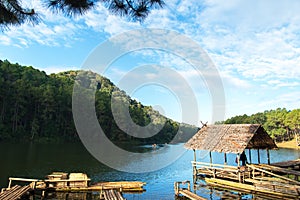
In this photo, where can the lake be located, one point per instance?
(39, 160)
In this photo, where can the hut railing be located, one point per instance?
(32, 181)
(265, 172)
(221, 171)
(214, 166)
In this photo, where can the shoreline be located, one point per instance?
(288, 144)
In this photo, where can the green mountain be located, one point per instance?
(35, 106)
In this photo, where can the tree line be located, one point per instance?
(35, 106)
(281, 124)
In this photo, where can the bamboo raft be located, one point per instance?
(73, 182)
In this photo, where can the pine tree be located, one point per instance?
(12, 12)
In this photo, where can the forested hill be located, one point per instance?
(35, 106)
(281, 124)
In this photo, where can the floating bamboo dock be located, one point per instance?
(73, 182)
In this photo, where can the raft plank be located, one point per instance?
(112, 195)
(16, 192)
(124, 186)
(190, 195)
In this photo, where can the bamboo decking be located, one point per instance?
(265, 180)
(251, 189)
(15, 192)
(112, 195)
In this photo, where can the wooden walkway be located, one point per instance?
(186, 192)
(16, 192)
(190, 195)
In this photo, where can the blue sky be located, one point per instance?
(255, 45)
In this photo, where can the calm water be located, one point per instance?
(38, 160)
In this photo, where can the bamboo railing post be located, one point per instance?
(239, 176)
(225, 158)
(9, 184)
(210, 158)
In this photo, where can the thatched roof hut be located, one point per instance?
(231, 138)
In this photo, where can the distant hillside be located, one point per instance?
(35, 106)
(281, 124)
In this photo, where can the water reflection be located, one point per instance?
(38, 160)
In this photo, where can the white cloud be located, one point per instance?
(253, 44)
(56, 69)
(5, 40)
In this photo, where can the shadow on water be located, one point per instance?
(39, 160)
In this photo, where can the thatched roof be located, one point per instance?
(231, 138)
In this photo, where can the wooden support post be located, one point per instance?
(176, 188)
(258, 156)
(210, 158)
(9, 184)
(250, 160)
(225, 158)
(194, 168)
(268, 155)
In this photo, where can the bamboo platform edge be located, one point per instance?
(216, 182)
